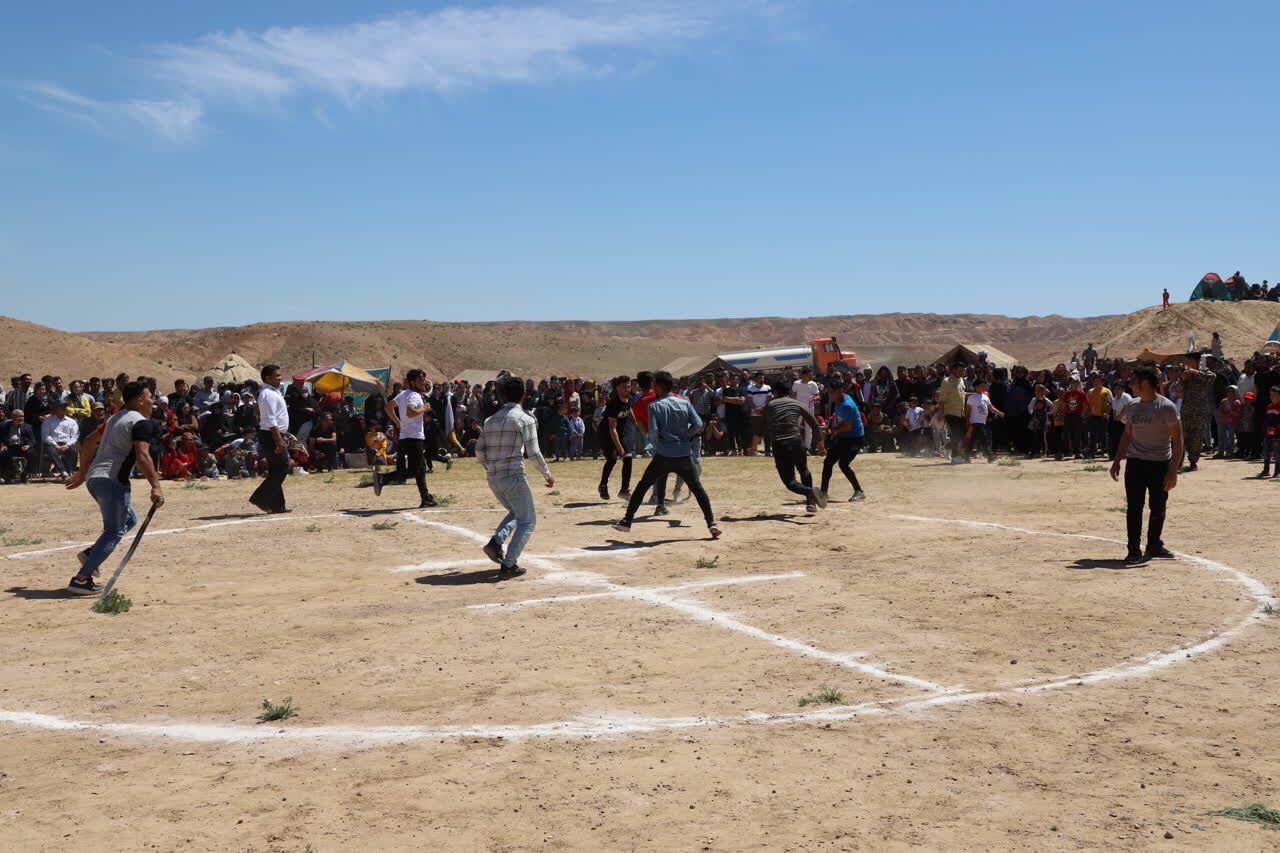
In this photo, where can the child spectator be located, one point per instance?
(979, 409)
(563, 430)
(1271, 435)
(1230, 410)
(915, 427)
(577, 432)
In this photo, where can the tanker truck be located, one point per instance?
(822, 356)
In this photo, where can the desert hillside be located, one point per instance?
(606, 347)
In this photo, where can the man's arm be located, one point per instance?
(695, 422)
(393, 412)
(142, 458)
(1122, 451)
(1175, 461)
(613, 433)
(532, 451)
(87, 451)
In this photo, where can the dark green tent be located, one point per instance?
(1212, 289)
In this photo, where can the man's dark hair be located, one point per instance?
(414, 375)
(267, 370)
(1146, 374)
(132, 391)
(645, 380)
(511, 389)
(664, 380)
(619, 380)
(960, 364)
(780, 389)
(836, 381)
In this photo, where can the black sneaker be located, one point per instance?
(604, 492)
(508, 572)
(493, 550)
(1134, 557)
(820, 498)
(623, 526)
(661, 509)
(427, 503)
(1159, 553)
(625, 494)
(858, 496)
(83, 586)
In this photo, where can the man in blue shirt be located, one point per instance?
(846, 430)
(672, 425)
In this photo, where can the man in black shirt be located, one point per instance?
(616, 410)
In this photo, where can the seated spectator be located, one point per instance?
(322, 444)
(59, 434)
(207, 465)
(17, 441)
(178, 460)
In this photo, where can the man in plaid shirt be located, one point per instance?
(508, 436)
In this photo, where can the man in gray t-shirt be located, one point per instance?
(1152, 444)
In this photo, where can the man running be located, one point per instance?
(509, 436)
(1152, 442)
(672, 425)
(847, 431)
(783, 418)
(273, 425)
(611, 428)
(406, 412)
(109, 456)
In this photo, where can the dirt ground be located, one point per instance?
(999, 689)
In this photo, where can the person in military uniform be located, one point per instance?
(1197, 398)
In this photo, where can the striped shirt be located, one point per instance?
(508, 436)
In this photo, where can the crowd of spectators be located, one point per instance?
(953, 412)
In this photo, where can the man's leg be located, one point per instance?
(269, 496)
(785, 456)
(610, 460)
(1135, 492)
(657, 468)
(513, 493)
(955, 429)
(683, 466)
(1195, 443)
(413, 449)
(1159, 503)
(118, 519)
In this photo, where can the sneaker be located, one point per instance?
(1134, 557)
(604, 492)
(1265, 474)
(83, 586)
(811, 509)
(448, 464)
(493, 550)
(858, 496)
(427, 502)
(508, 572)
(661, 509)
(625, 495)
(1159, 553)
(820, 498)
(679, 499)
(623, 526)
(714, 531)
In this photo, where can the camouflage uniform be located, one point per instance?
(1197, 393)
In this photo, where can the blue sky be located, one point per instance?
(184, 165)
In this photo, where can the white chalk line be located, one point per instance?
(615, 725)
(627, 592)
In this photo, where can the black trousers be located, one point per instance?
(269, 495)
(841, 453)
(1142, 479)
(955, 434)
(682, 467)
(415, 463)
(1115, 431)
(790, 459)
(610, 460)
(1074, 425)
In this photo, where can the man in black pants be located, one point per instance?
(783, 419)
(273, 425)
(611, 426)
(407, 411)
(672, 425)
(1152, 442)
(847, 432)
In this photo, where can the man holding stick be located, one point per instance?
(108, 458)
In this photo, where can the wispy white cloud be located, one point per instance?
(172, 120)
(434, 52)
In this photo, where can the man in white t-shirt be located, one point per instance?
(407, 411)
(916, 419)
(805, 390)
(758, 395)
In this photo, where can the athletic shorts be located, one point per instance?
(757, 425)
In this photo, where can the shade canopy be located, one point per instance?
(343, 376)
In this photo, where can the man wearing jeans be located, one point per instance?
(1152, 442)
(672, 426)
(508, 436)
(109, 457)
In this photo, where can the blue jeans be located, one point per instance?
(118, 518)
(513, 493)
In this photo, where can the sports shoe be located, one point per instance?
(714, 531)
(493, 550)
(859, 495)
(83, 586)
(820, 498)
(1159, 553)
(509, 572)
(1134, 557)
(625, 494)
(810, 509)
(448, 463)
(661, 509)
(604, 492)
(623, 526)
(678, 498)
(427, 503)
(1266, 472)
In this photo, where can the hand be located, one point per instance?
(75, 480)
(157, 496)
(1115, 470)
(551, 481)
(1171, 480)
(280, 447)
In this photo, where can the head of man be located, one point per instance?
(18, 417)
(757, 378)
(835, 388)
(644, 379)
(208, 383)
(95, 384)
(98, 410)
(137, 396)
(59, 409)
(780, 389)
(806, 374)
(512, 390)
(1146, 383)
(24, 381)
(271, 375)
(958, 368)
(663, 383)
(416, 379)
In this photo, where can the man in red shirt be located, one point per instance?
(1075, 404)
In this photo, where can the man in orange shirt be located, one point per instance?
(1099, 397)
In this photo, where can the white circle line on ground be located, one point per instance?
(615, 725)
